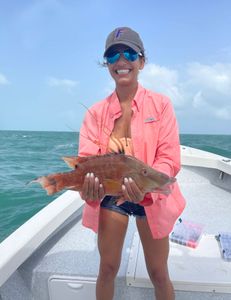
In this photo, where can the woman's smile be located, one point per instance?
(122, 71)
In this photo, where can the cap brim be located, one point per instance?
(130, 45)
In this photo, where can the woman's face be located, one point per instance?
(125, 72)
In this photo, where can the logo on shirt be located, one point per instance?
(149, 119)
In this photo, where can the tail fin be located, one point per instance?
(48, 183)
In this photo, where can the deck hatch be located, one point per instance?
(71, 288)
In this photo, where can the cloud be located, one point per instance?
(163, 80)
(110, 87)
(64, 83)
(199, 101)
(216, 78)
(210, 89)
(3, 80)
(196, 90)
(199, 89)
(224, 113)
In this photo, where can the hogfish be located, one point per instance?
(111, 169)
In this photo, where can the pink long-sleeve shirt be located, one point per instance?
(155, 141)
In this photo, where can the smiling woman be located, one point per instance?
(124, 63)
(143, 124)
(124, 57)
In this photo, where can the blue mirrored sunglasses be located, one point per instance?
(128, 54)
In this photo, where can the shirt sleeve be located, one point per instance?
(167, 155)
(89, 143)
(167, 158)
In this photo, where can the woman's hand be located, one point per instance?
(131, 191)
(92, 189)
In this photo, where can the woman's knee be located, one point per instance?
(159, 277)
(108, 270)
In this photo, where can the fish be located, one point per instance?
(111, 169)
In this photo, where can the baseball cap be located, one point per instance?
(125, 36)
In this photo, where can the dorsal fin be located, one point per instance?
(73, 161)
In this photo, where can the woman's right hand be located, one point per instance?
(92, 189)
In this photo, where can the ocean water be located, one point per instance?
(25, 155)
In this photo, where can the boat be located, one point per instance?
(53, 257)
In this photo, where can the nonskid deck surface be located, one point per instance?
(205, 203)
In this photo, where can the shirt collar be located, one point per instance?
(114, 104)
(138, 99)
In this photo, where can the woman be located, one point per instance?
(141, 123)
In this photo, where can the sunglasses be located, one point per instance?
(129, 54)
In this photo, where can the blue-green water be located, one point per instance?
(27, 155)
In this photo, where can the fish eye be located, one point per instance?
(144, 172)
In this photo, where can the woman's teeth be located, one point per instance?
(124, 71)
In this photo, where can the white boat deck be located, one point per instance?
(188, 267)
(66, 265)
(206, 203)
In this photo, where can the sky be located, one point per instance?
(51, 50)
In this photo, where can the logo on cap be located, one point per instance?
(119, 32)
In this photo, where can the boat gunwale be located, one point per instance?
(200, 158)
(24, 241)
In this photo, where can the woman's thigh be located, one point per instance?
(111, 234)
(156, 251)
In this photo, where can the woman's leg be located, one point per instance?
(156, 256)
(111, 234)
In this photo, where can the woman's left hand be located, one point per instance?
(131, 192)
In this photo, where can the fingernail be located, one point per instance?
(130, 179)
(88, 175)
(125, 180)
(100, 185)
(92, 174)
(123, 187)
(96, 179)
